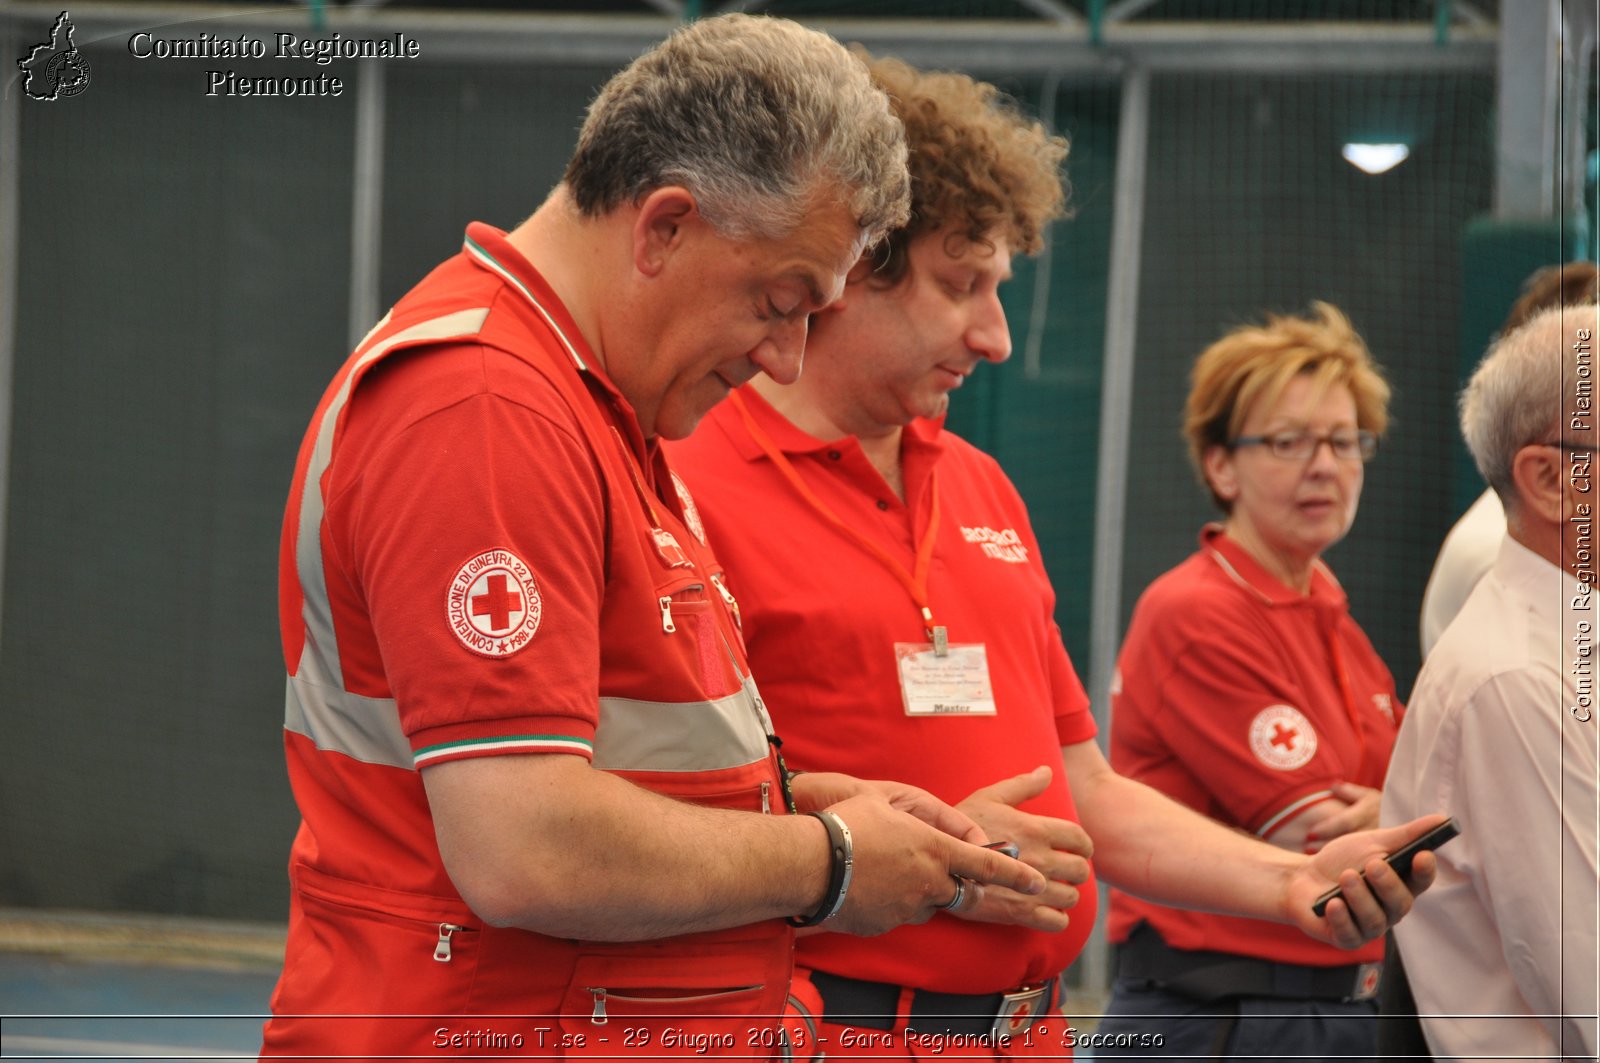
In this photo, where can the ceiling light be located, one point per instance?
(1375, 158)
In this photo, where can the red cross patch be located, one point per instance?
(493, 604)
(1281, 737)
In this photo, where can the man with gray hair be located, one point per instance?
(1501, 727)
(542, 810)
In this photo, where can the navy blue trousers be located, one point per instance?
(1259, 1028)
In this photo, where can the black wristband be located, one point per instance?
(841, 852)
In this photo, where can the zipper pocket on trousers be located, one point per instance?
(441, 951)
(602, 994)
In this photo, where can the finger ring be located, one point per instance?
(954, 903)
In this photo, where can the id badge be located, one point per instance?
(952, 684)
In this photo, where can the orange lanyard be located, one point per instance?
(915, 581)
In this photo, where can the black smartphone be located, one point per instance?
(1004, 847)
(1401, 858)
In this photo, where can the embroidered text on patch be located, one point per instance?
(493, 605)
(1001, 545)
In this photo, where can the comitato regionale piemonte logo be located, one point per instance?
(55, 69)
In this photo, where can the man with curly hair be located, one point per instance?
(898, 612)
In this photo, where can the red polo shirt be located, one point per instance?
(1246, 700)
(482, 555)
(821, 618)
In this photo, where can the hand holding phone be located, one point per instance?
(1400, 859)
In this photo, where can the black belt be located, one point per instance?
(1213, 976)
(876, 1005)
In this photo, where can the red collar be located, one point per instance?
(923, 434)
(1245, 570)
(487, 248)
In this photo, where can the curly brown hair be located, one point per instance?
(979, 166)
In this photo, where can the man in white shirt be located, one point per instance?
(1501, 728)
(1474, 542)
(1466, 554)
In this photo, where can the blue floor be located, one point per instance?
(55, 1007)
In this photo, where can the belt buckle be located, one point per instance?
(1018, 1010)
(1368, 976)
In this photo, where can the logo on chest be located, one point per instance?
(691, 513)
(1281, 737)
(1000, 545)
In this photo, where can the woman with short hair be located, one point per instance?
(1246, 691)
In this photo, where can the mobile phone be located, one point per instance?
(1008, 848)
(1401, 858)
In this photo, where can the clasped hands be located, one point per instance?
(910, 846)
(1039, 888)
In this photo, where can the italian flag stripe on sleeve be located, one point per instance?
(478, 747)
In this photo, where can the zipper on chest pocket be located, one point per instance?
(665, 601)
(727, 596)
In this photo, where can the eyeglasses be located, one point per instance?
(1299, 446)
(1570, 448)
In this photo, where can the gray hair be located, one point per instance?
(1525, 387)
(761, 119)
